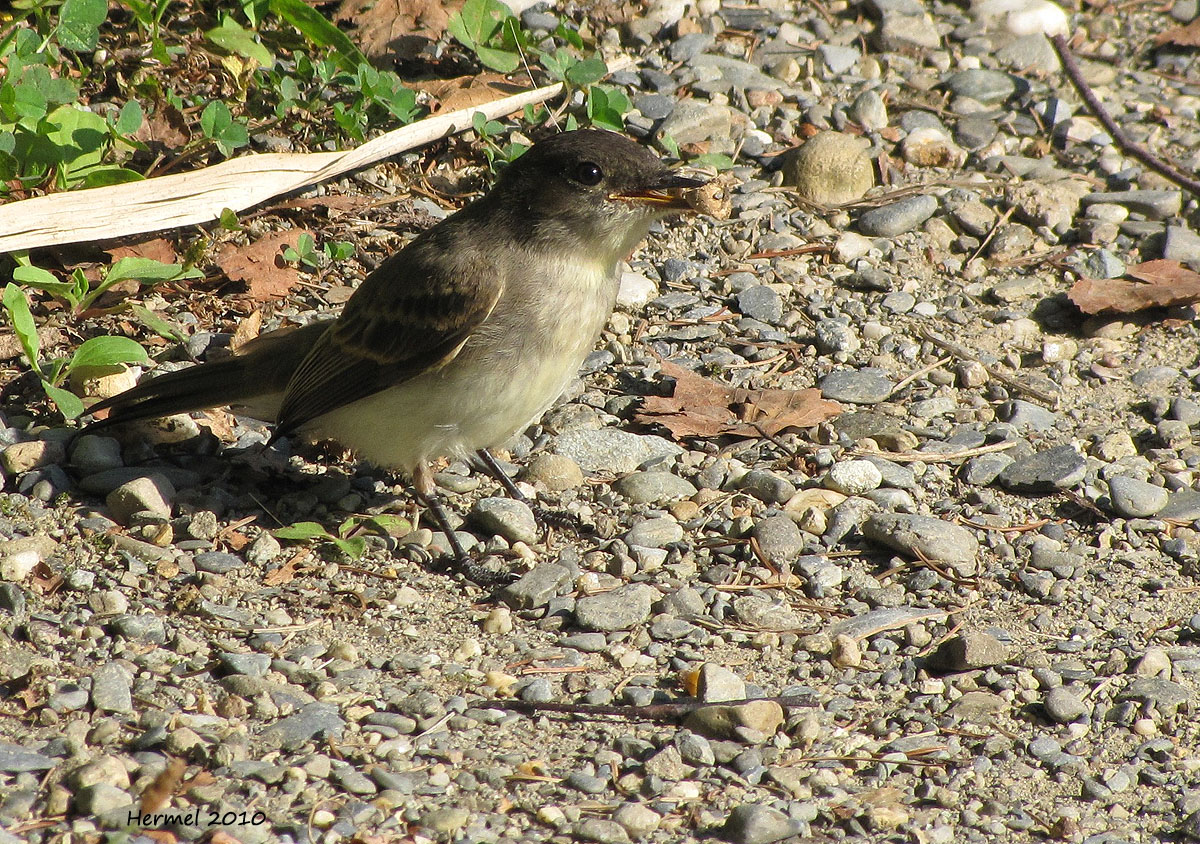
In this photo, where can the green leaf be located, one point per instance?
(158, 324)
(501, 61)
(215, 119)
(108, 351)
(146, 270)
(79, 24)
(109, 174)
(353, 548)
(130, 118)
(606, 107)
(22, 322)
(40, 279)
(229, 220)
(68, 403)
(317, 29)
(713, 159)
(232, 37)
(477, 22)
(669, 144)
(302, 532)
(587, 72)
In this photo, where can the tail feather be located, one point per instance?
(260, 373)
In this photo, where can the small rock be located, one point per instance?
(111, 689)
(830, 169)
(779, 539)
(152, 493)
(19, 458)
(1136, 499)
(927, 536)
(1061, 467)
(610, 450)
(1062, 705)
(555, 472)
(620, 609)
(970, 650)
(853, 477)
(655, 533)
(752, 823)
(506, 517)
(536, 587)
(898, 217)
(717, 683)
(761, 302)
(857, 386)
(653, 487)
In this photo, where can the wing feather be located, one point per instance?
(412, 314)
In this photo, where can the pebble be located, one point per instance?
(1136, 499)
(971, 650)
(753, 823)
(536, 587)
(111, 689)
(762, 303)
(611, 451)
(1061, 467)
(1062, 705)
(150, 494)
(924, 536)
(654, 533)
(620, 609)
(779, 539)
(853, 477)
(898, 217)
(830, 168)
(767, 486)
(653, 487)
(506, 517)
(861, 386)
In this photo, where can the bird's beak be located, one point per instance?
(664, 192)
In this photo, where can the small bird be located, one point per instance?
(465, 336)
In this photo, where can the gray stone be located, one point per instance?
(252, 665)
(610, 450)
(1154, 204)
(506, 517)
(536, 587)
(764, 614)
(927, 536)
(15, 759)
(778, 538)
(767, 486)
(836, 335)
(907, 33)
(655, 533)
(1061, 467)
(98, 799)
(1025, 415)
(869, 110)
(898, 217)
(93, 454)
(598, 829)
(853, 477)
(762, 303)
(152, 493)
(753, 823)
(717, 683)
(1062, 705)
(986, 86)
(970, 650)
(621, 609)
(857, 386)
(218, 562)
(111, 690)
(1135, 499)
(1183, 505)
(1181, 244)
(313, 721)
(653, 487)
(838, 60)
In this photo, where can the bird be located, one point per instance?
(462, 338)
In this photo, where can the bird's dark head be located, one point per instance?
(597, 188)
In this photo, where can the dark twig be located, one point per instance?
(652, 712)
(1071, 68)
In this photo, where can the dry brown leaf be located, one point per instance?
(396, 28)
(466, 91)
(1157, 284)
(246, 330)
(1181, 36)
(701, 407)
(166, 126)
(258, 265)
(158, 249)
(287, 572)
(164, 786)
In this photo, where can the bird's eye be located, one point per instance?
(588, 173)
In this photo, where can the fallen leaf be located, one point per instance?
(258, 265)
(701, 407)
(1181, 36)
(246, 330)
(286, 572)
(466, 91)
(395, 28)
(164, 786)
(158, 249)
(1157, 284)
(166, 126)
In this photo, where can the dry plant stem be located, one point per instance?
(652, 712)
(1073, 72)
(1000, 375)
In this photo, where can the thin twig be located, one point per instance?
(1073, 72)
(1000, 375)
(652, 712)
(933, 456)
(924, 370)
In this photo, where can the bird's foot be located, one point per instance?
(563, 520)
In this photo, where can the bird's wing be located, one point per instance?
(410, 315)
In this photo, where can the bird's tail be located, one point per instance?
(257, 377)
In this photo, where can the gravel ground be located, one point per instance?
(974, 591)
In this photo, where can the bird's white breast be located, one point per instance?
(506, 375)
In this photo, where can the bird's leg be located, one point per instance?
(427, 492)
(555, 518)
